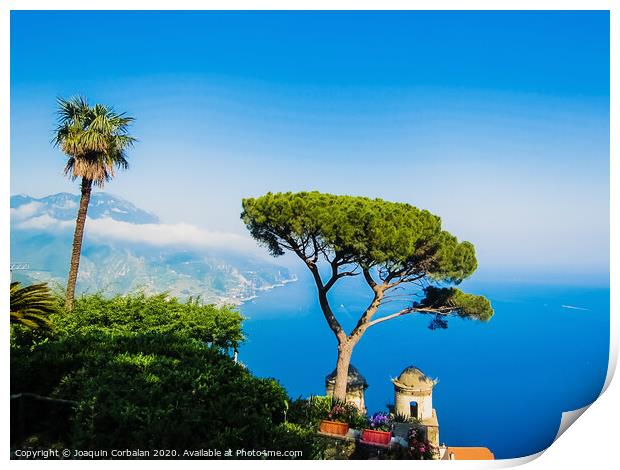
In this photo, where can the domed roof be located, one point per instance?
(414, 378)
(354, 380)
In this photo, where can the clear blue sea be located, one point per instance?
(502, 384)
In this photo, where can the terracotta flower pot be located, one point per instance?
(370, 436)
(334, 427)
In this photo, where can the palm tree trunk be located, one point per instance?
(87, 186)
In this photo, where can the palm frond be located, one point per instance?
(95, 139)
(32, 305)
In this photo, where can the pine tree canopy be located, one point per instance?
(395, 241)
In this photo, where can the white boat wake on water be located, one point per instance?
(571, 307)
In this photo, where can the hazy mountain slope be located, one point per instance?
(128, 249)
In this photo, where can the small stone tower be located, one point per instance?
(413, 394)
(413, 397)
(356, 386)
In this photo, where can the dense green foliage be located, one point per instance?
(370, 232)
(395, 241)
(472, 306)
(293, 436)
(217, 326)
(32, 306)
(309, 412)
(145, 372)
(304, 416)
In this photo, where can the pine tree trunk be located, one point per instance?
(342, 372)
(87, 186)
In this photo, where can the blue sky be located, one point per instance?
(496, 121)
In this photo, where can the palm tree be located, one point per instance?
(95, 140)
(31, 306)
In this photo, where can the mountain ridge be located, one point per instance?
(64, 205)
(42, 230)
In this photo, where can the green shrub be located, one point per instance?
(146, 372)
(308, 412)
(217, 326)
(291, 436)
(165, 392)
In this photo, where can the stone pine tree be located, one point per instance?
(95, 140)
(395, 247)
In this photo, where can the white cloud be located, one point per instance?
(43, 222)
(182, 234)
(25, 210)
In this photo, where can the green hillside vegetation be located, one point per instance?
(143, 372)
